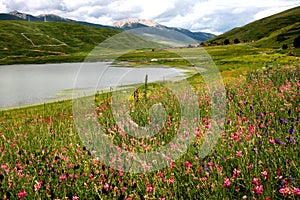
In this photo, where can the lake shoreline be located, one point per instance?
(67, 93)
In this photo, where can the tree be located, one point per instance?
(285, 46)
(226, 41)
(236, 41)
(297, 42)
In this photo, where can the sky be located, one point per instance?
(213, 16)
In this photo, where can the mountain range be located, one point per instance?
(15, 15)
(126, 24)
(131, 23)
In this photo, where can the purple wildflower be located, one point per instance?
(289, 112)
(278, 142)
(228, 121)
(283, 121)
(292, 140)
(291, 131)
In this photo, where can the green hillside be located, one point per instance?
(48, 42)
(272, 31)
(37, 42)
(40, 42)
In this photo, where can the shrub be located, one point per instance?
(236, 41)
(297, 42)
(284, 46)
(226, 41)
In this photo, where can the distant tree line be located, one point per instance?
(296, 42)
(235, 41)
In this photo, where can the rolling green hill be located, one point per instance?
(42, 42)
(272, 31)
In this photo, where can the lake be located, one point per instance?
(28, 84)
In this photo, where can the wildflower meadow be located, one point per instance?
(256, 155)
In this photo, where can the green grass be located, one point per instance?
(231, 60)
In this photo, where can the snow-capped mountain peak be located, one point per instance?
(130, 21)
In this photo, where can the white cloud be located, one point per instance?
(269, 11)
(3, 8)
(214, 16)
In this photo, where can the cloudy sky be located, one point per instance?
(214, 16)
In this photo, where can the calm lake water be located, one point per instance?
(29, 84)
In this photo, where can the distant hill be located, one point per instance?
(4, 16)
(125, 24)
(15, 15)
(272, 31)
(131, 23)
(40, 42)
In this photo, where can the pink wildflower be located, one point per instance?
(198, 134)
(37, 185)
(235, 138)
(75, 198)
(207, 126)
(226, 183)
(296, 191)
(238, 153)
(284, 191)
(91, 175)
(236, 173)
(188, 164)
(255, 181)
(258, 189)
(272, 141)
(106, 186)
(264, 173)
(22, 194)
(62, 177)
(203, 179)
(149, 188)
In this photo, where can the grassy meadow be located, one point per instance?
(256, 156)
